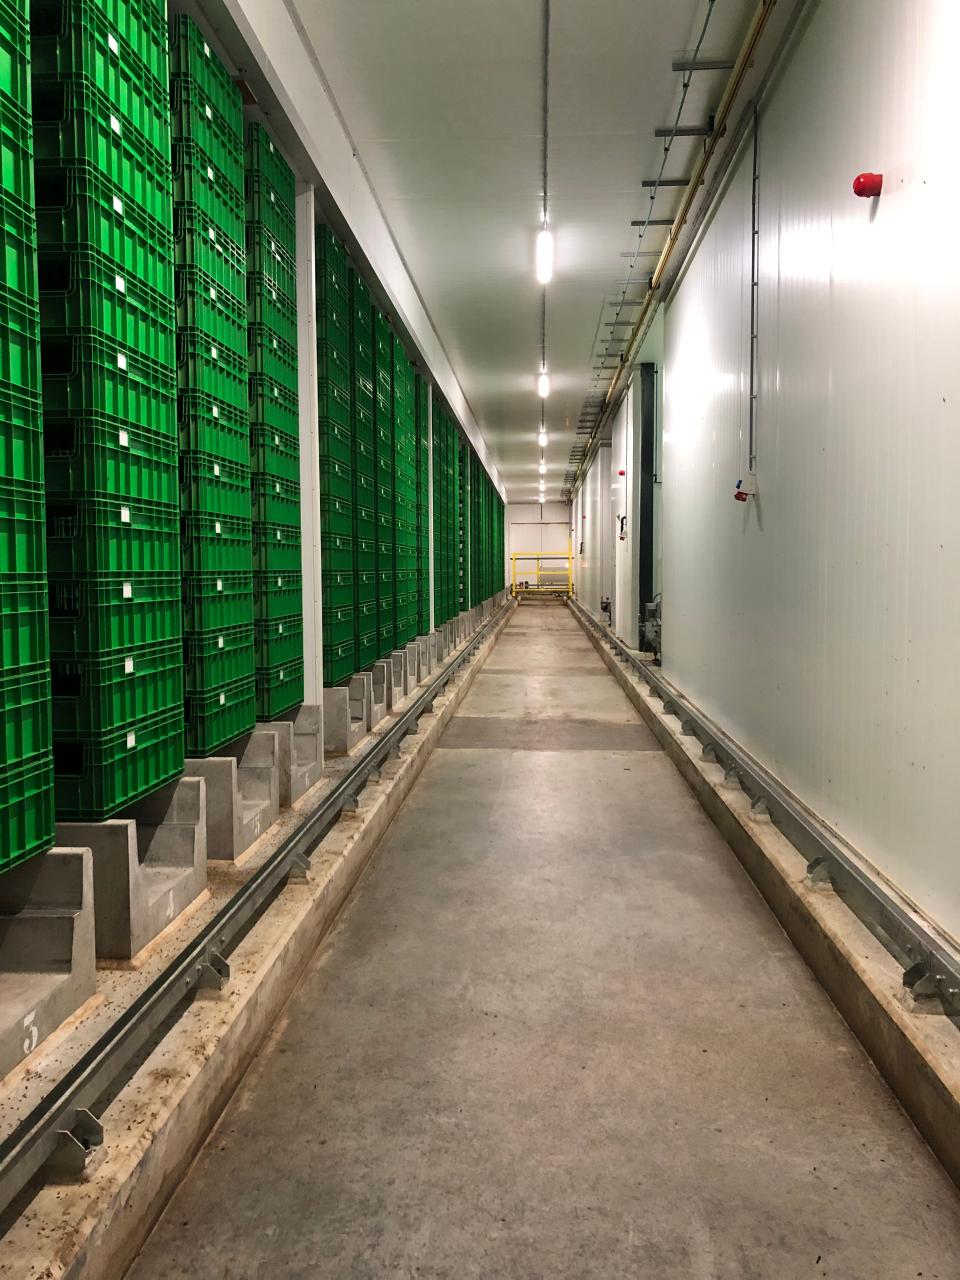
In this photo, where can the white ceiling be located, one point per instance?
(442, 99)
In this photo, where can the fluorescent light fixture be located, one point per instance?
(542, 439)
(544, 256)
(543, 468)
(543, 384)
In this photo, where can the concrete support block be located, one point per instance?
(300, 744)
(48, 965)
(341, 732)
(362, 704)
(384, 693)
(439, 649)
(413, 665)
(427, 649)
(243, 793)
(147, 867)
(401, 678)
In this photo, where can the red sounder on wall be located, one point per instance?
(868, 184)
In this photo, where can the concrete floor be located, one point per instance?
(558, 1034)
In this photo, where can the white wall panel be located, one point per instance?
(534, 526)
(818, 623)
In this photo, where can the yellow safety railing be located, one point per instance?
(541, 573)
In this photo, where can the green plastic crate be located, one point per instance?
(96, 615)
(363, 425)
(205, 365)
(107, 535)
(92, 36)
(94, 457)
(209, 425)
(216, 544)
(214, 718)
(213, 601)
(204, 307)
(333, 365)
(272, 356)
(21, 528)
(275, 453)
(202, 117)
(26, 809)
(267, 255)
(268, 304)
(273, 405)
(18, 229)
(366, 587)
(338, 624)
(276, 548)
(24, 713)
(279, 640)
(23, 621)
(334, 404)
(264, 160)
(191, 56)
(216, 658)
(99, 695)
(99, 775)
(16, 131)
(84, 374)
(278, 594)
(199, 181)
(336, 445)
(199, 241)
(276, 500)
(210, 484)
(368, 649)
(336, 516)
(265, 206)
(75, 122)
(333, 327)
(78, 209)
(82, 290)
(339, 587)
(279, 689)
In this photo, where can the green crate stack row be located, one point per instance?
(215, 495)
(421, 394)
(104, 201)
(337, 520)
(405, 495)
(26, 752)
(363, 586)
(272, 356)
(446, 513)
(463, 482)
(385, 489)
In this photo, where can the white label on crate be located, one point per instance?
(124, 439)
(216, 527)
(219, 584)
(210, 172)
(207, 111)
(216, 411)
(121, 360)
(276, 438)
(118, 205)
(273, 247)
(272, 198)
(121, 284)
(214, 354)
(276, 392)
(213, 294)
(276, 486)
(114, 124)
(219, 642)
(274, 344)
(131, 740)
(206, 49)
(281, 673)
(273, 294)
(112, 44)
(278, 535)
(279, 582)
(216, 468)
(124, 515)
(270, 144)
(223, 699)
(211, 233)
(128, 591)
(128, 666)
(279, 628)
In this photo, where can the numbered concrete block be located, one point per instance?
(300, 747)
(341, 730)
(243, 792)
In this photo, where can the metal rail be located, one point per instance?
(62, 1129)
(931, 968)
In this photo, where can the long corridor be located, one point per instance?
(557, 1033)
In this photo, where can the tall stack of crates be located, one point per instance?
(336, 459)
(476, 471)
(108, 358)
(405, 493)
(216, 528)
(26, 759)
(272, 350)
(386, 508)
(463, 516)
(446, 517)
(423, 504)
(365, 473)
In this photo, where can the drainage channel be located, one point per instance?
(931, 970)
(57, 1136)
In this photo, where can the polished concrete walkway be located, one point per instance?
(558, 1034)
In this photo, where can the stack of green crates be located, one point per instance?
(464, 451)
(336, 459)
(364, 584)
(104, 210)
(386, 508)
(272, 333)
(405, 494)
(26, 759)
(423, 505)
(216, 530)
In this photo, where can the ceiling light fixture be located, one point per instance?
(544, 256)
(542, 439)
(543, 468)
(543, 384)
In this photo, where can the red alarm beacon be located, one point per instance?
(868, 184)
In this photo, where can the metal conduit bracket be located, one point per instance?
(299, 869)
(74, 1146)
(213, 974)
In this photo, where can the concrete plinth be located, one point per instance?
(363, 703)
(147, 867)
(413, 665)
(300, 744)
(383, 688)
(427, 648)
(48, 962)
(341, 729)
(401, 682)
(243, 792)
